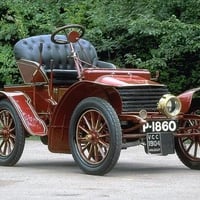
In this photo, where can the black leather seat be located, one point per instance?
(64, 71)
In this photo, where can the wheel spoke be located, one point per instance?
(101, 151)
(12, 142)
(9, 148)
(83, 129)
(190, 146)
(87, 122)
(92, 120)
(7, 120)
(104, 144)
(82, 140)
(10, 123)
(5, 148)
(13, 136)
(185, 139)
(102, 125)
(98, 121)
(195, 149)
(3, 119)
(1, 144)
(1, 147)
(85, 146)
(91, 152)
(191, 122)
(1, 123)
(96, 153)
(104, 135)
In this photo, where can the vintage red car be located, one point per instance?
(90, 108)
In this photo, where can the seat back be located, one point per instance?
(64, 71)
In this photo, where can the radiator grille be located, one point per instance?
(141, 97)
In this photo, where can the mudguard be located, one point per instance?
(31, 121)
(59, 127)
(186, 98)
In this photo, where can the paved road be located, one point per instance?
(47, 176)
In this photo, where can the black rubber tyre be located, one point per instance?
(12, 134)
(44, 139)
(95, 136)
(188, 147)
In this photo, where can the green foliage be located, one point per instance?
(8, 74)
(153, 34)
(19, 19)
(175, 51)
(158, 35)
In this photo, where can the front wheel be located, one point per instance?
(188, 147)
(12, 134)
(95, 136)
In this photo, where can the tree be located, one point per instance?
(153, 34)
(158, 35)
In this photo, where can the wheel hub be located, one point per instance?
(6, 134)
(93, 137)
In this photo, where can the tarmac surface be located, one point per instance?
(41, 174)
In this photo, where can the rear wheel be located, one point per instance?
(95, 136)
(188, 147)
(12, 134)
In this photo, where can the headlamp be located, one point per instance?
(169, 105)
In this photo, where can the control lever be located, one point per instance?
(51, 77)
(40, 59)
(40, 51)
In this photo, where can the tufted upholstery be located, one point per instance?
(63, 64)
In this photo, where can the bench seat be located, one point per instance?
(64, 71)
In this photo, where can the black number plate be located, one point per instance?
(154, 143)
(160, 126)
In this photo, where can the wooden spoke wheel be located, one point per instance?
(12, 137)
(95, 136)
(188, 147)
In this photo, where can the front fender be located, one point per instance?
(31, 121)
(81, 91)
(186, 98)
(59, 127)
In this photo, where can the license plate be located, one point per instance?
(160, 143)
(154, 143)
(160, 126)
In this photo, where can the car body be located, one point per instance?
(92, 109)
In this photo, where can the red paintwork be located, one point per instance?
(118, 77)
(55, 105)
(31, 121)
(186, 99)
(93, 73)
(62, 113)
(123, 80)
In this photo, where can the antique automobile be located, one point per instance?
(80, 105)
